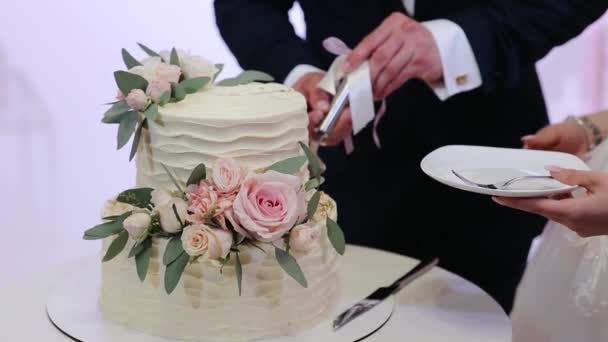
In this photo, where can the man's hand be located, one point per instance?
(563, 137)
(586, 215)
(400, 49)
(317, 98)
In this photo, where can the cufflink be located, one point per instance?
(461, 80)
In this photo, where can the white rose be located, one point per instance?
(148, 68)
(168, 220)
(202, 240)
(137, 99)
(160, 197)
(193, 65)
(304, 237)
(137, 224)
(114, 208)
(157, 88)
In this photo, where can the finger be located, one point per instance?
(319, 100)
(552, 209)
(364, 50)
(384, 56)
(314, 120)
(543, 139)
(404, 73)
(587, 179)
(343, 128)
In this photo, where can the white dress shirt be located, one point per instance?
(460, 69)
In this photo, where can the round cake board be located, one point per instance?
(74, 309)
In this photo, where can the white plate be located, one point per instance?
(491, 164)
(73, 307)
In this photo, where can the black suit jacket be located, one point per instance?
(384, 199)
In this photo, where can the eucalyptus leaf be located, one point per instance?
(173, 250)
(152, 112)
(179, 93)
(137, 248)
(117, 245)
(336, 236)
(313, 160)
(179, 219)
(174, 57)
(138, 197)
(238, 269)
(198, 174)
(142, 259)
(174, 271)
(313, 204)
(175, 182)
(115, 113)
(164, 98)
(149, 51)
(136, 139)
(220, 68)
(290, 266)
(312, 184)
(126, 129)
(102, 231)
(289, 166)
(129, 60)
(229, 82)
(192, 85)
(127, 81)
(249, 76)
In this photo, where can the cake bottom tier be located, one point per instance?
(206, 305)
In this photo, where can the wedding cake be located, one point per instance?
(226, 236)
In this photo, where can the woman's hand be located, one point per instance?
(587, 215)
(566, 137)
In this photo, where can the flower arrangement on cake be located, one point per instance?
(220, 209)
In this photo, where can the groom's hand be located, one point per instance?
(400, 49)
(317, 99)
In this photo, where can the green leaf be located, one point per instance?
(174, 271)
(152, 112)
(312, 184)
(130, 62)
(229, 82)
(313, 160)
(138, 197)
(238, 268)
(127, 81)
(198, 174)
(116, 112)
(149, 51)
(336, 236)
(136, 139)
(137, 248)
(179, 93)
(126, 128)
(289, 166)
(164, 98)
(179, 219)
(102, 231)
(313, 204)
(117, 245)
(192, 85)
(175, 182)
(142, 259)
(249, 76)
(219, 67)
(173, 250)
(174, 57)
(290, 266)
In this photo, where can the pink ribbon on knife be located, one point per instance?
(360, 96)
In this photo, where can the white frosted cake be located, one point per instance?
(225, 237)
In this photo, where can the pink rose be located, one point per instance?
(168, 72)
(304, 237)
(268, 205)
(224, 205)
(202, 240)
(157, 88)
(227, 176)
(202, 202)
(137, 99)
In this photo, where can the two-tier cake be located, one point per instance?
(226, 236)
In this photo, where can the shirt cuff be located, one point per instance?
(460, 69)
(299, 71)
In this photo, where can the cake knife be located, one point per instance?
(338, 104)
(382, 293)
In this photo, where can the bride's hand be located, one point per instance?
(563, 137)
(587, 215)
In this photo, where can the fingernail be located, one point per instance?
(527, 137)
(323, 106)
(553, 168)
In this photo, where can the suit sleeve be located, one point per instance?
(508, 37)
(260, 35)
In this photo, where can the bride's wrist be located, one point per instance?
(592, 132)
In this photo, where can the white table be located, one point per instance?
(437, 307)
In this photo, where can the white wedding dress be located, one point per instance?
(563, 296)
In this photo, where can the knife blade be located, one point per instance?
(382, 293)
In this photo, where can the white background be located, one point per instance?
(58, 162)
